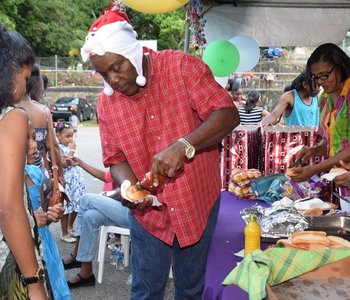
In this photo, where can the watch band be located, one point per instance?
(186, 142)
(38, 277)
(189, 149)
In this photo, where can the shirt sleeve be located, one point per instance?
(205, 94)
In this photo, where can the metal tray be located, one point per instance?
(339, 225)
(332, 225)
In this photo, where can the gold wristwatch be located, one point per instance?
(189, 149)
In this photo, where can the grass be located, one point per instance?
(90, 123)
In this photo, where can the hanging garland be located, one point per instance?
(196, 24)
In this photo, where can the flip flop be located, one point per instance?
(71, 265)
(90, 281)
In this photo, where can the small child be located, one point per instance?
(75, 183)
(34, 179)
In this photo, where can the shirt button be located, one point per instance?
(159, 138)
(146, 95)
(152, 117)
(172, 209)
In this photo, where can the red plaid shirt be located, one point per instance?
(180, 94)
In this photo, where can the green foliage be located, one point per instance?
(56, 26)
(168, 28)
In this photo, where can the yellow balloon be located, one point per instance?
(155, 6)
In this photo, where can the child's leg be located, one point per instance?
(64, 224)
(71, 219)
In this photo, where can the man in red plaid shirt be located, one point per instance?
(161, 111)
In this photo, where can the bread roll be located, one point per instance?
(316, 211)
(292, 171)
(288, 244)
(338, 242)
(133, 193)
(311, 237)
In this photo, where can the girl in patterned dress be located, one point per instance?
(74, 177)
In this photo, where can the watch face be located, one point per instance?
(190, 152)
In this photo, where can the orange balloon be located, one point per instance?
(155, 6)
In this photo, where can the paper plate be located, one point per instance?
(312, 203)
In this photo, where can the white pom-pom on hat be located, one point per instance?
(108, 90)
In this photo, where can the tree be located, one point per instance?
(58, 26)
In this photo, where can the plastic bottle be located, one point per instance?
(252, 234)
(113, 257)
(120, 258)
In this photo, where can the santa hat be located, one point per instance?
(113, 33)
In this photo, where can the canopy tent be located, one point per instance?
(278, 22)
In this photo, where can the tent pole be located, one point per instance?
(187, 36)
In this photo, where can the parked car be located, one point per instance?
(64, 107)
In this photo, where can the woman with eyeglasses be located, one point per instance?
(329, 67)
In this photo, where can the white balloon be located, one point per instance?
(249, 52)
(221, 80)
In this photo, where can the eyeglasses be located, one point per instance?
(322, 78)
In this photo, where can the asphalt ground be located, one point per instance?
(115, 282)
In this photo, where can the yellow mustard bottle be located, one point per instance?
(252, 234)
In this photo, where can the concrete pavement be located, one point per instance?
(114, 285)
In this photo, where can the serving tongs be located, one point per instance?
(341, 197)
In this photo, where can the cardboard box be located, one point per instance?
(330, 282)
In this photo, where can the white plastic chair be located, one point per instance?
(125, 241)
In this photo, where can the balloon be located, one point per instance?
(222, 57)
(155, 6)
(249, 52)
(221, 80)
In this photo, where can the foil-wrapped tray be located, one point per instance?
(332, 225)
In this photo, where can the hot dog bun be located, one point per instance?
(133, 193)
(316, 211)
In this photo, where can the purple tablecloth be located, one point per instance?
(228, 239)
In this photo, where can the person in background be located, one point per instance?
(299, 106)
(329, 66)
(20, 260)
(34, 179)
(75, 183)
(236, 92)
(252, 114)
(95, 211)
(74, 120)
(40, 117)
(161, 111)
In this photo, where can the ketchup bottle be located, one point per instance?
(147, 182)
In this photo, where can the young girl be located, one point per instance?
(34, 179)
(75, 183)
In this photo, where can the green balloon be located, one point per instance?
(222, 57)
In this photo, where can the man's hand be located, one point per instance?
(40, 217)
(344, 179)
(55, 213)
(140, 206)
(168, 162)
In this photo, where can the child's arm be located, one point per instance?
(99, 174)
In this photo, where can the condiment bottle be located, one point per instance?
(147, 182)
(252, 234)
